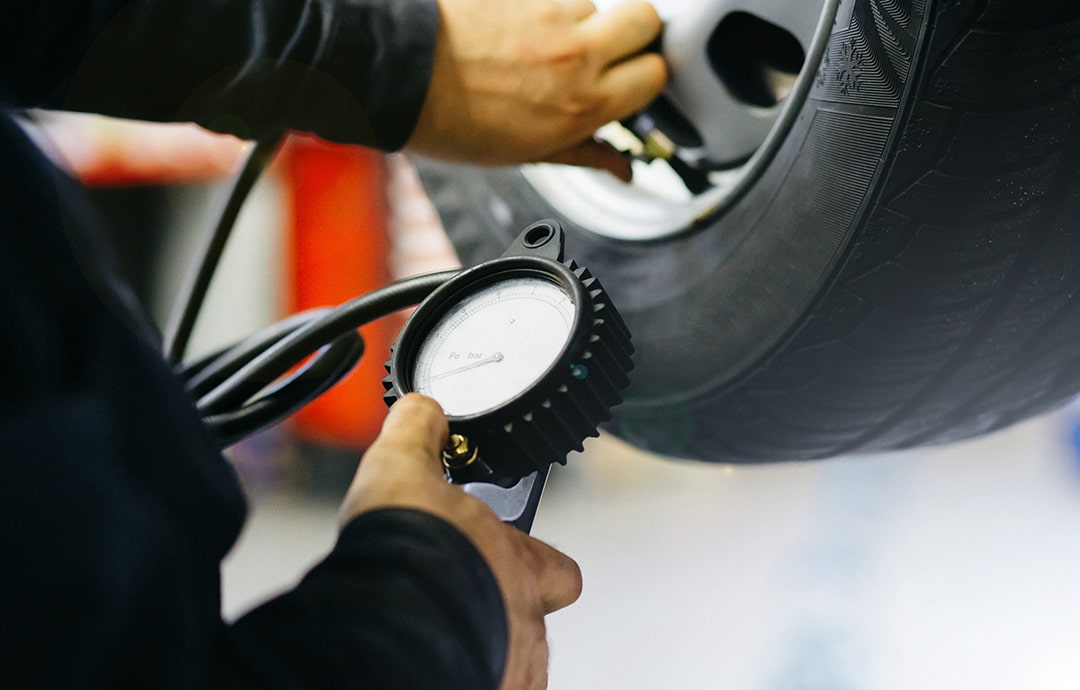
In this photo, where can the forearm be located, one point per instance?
(354, 71)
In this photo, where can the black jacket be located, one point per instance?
(116, 507)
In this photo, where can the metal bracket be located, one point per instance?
(515, 505)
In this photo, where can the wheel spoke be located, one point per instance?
(799, 18)
(731, 122)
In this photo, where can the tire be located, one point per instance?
(904, 272)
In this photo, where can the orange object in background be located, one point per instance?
(336, 224)
(337, 249)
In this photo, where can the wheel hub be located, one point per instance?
(740, 71)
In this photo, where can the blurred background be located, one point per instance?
(956, 567)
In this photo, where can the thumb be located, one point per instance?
(411, 440)
(592, 153)
(404, 463)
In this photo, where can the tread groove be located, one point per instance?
(1005, 293)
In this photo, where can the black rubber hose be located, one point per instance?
(197, 282)
(317, 376)
(203, 375)
(271, 363)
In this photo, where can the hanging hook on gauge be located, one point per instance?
(527, 355)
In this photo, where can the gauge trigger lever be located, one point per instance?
(517, 504)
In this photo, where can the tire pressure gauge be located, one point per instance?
(525, 353)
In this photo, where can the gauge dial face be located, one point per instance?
(494, 344)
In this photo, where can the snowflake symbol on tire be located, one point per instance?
(849, 69)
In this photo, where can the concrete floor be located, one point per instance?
(954, 568)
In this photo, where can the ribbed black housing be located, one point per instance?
(567, 406)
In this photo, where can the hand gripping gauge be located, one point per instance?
(527, 356)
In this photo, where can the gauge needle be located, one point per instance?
(497, 357)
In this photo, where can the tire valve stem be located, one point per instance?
(657, 145)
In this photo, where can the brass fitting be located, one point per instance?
(459, 453)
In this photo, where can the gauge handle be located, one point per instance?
(517, 504)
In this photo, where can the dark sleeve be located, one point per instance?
(353, 71)
(403, 602)
(116, 508)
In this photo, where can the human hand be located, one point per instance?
(532, 80)
(403, 469)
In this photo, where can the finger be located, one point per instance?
(631, 85)
(558, 574)
(412, 438)
(595, 154)
(577, 9)
(621, 32)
